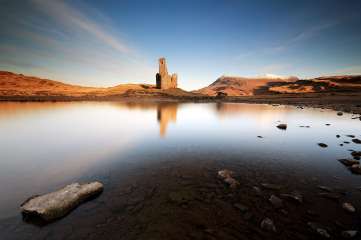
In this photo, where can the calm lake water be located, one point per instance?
(44, 146)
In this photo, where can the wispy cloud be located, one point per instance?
(74, 43)
(302, 36)
(77, 21)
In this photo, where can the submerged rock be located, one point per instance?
(282, 126)
(323, 145)
(59, 203)
(226, 176)
(349, 234)
(348, 162)
(241, 207)
(325, 188)
(271, 186)
(348, 207)
(276, 201)
(295, 196)
(356, 154)
(356, 168)
(267, 224)
(318, 229)
(332, 196)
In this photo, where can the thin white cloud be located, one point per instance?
(76, 20)
(300, 37)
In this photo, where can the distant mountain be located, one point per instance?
(272, 84)
(328, 84)
(242, 86)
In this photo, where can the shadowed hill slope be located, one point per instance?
(239, 86)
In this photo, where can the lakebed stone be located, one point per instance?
(226, 176)
(319, 229)
(57, 204)
(348, 162)
(349, 234)
(356, 169)
(348, 207)
(267, 224)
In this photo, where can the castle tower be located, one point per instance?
(163, 79)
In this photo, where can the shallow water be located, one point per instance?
(44, 146)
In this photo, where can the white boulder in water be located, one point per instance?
(59, 203)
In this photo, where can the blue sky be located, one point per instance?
(105, 43)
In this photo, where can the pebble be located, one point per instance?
(324, 188)
(226, 175)
(321, 231)
(339, 114)
(267, 224)
(241, 207)
(356, 168)
(276, 201)
(296, 196)
(348, 207)
(349, 234)
(348, 162)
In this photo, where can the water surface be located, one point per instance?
(44, 146)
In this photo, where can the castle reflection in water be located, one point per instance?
(166, 113)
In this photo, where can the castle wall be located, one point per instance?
(163, 79)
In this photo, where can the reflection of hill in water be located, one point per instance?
(262, 113)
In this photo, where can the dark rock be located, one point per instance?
(349, 234)
(271, 186)
(323, 145)
(338, 136)
(348, 162)
(259, 136)
(241, 207)
(356, 168)
(324, 188)
(351, 136)
(356, 154)
(339, 114)
(348, 207)
(356, 140)
(295, 196)
(282, 126)
(327, 124)
(257, 190)
(267, 224)
(332, 196)
(346, 142)
(319, 229)
(276, 201)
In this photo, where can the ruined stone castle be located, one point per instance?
(163, 79)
